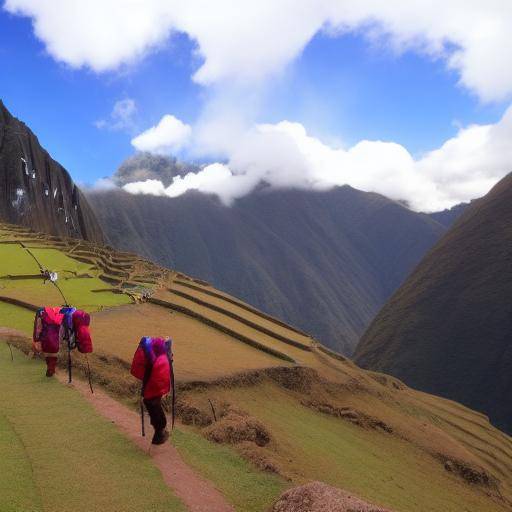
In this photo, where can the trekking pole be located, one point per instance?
(89, 374)
(143, 430)
(69, 362)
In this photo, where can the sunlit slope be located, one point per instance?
(57, 454)
(282, 401)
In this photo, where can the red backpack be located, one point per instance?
(46, 330)
(81, 323)
(76, 334)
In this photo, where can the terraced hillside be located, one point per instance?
(261, 405)
(325, 261)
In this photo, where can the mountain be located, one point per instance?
(448, 329)
(145, 166)
(448, 217)
(323, 261)
(35, 190)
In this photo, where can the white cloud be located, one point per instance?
(101, 185)
(284, 155)
(248, 40)
(170, 135)
(121, 117)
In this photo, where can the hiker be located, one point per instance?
(152, 364)
(46, 336)
(75, 333)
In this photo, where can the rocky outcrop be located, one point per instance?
(36, 191)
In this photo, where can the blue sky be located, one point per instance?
(342, 89)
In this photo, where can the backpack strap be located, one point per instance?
(145, 345)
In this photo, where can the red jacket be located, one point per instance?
(151, 356)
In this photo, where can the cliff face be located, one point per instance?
(35, 190)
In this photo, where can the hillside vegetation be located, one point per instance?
(57, 454)
(261, 405)
(323, 261)
(448, 329)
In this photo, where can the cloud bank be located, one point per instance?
(283, 155)
(249, 40)
(242, 44)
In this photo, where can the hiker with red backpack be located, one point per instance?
(56, 326)
(75, 333)
(152, 364)
(45, 338)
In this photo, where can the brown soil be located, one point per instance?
(320, 497)
(198, 494)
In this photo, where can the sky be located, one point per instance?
(409, 99)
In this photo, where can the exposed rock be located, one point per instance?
(146, 166)
(320, 497)
(36, 191)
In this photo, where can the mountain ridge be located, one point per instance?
(323, 261)
(447, 329)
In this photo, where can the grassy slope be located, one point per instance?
(384, 468)
(57, 454)
(249, 490)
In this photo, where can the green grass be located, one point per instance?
(247, 488)
(57, 454)
(380, 468)
(56, 260)
(18, 489)
(16, 318)
(14, 260)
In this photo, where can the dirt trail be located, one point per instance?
(198, 494)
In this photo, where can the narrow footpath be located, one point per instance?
(197, 493)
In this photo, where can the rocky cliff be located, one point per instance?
(36, 191)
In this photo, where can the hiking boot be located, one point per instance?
(160, 437)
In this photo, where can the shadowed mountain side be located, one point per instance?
(35, 190)
(323, 261)
(450, 215)
(448, 329)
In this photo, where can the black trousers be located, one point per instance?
(156, 413)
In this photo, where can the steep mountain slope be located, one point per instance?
(450, 215)
(35, 190)
(261, 406)
(323, 261)
(448, 329)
